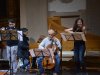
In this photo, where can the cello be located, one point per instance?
(49, 61)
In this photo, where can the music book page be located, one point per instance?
(79, 36)
(20, 35)
(32, 52)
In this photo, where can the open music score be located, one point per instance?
(11, 35)
(8, 34)
(73, 36)
(40, 52)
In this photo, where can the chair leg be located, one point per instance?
(48, 71)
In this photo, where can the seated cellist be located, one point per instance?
(50, 39)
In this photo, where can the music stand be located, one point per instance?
(42, 53)
(35, 52)
(10, 35)
(66, 36)
(39, 52)
(79, 36)
(73, 36)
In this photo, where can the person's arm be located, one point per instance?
(59, 48)
(84, 29)
(69, 30)
(58, 44)
(42, 44)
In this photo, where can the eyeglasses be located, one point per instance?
(51, 34)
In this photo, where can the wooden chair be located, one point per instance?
(2, 73)
(31, 47)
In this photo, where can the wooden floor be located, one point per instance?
(92, 66)
(64, 72)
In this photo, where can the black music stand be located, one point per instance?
(41, 53)
(10, 35)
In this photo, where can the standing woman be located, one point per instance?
(79, 45)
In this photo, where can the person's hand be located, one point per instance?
(66, 30)
(69, 30)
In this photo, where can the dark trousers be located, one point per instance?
(25, 63)
(79, 50)
(34, 64)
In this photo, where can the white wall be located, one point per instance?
(74, 6)
(23, 19)
(68, 22)
(33, 15)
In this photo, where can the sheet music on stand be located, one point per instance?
(8, 35)
(79, 36)
(66, 36)
(35, 52)
(3, 35)
(39, 52)
(20, 35)
(73, 36)
(11, 35)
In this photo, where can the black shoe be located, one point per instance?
(22, 69)
(34, 67)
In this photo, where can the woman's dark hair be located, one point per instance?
(75, 27)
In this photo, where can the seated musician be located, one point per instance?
(51, 39)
